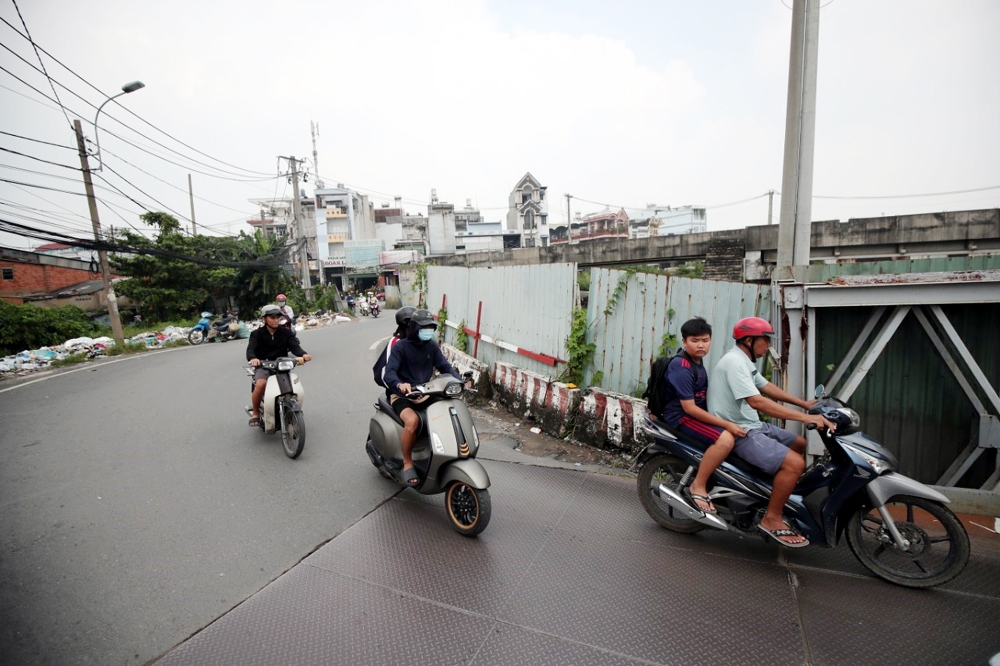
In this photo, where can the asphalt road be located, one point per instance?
(136, 506)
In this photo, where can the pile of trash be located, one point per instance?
(40, 359)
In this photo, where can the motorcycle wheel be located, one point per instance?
(293, 428)
(668, 470)
(468, 508)
(939, 544)
(196, 337)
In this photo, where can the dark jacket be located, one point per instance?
(267, 346)
(413, 362)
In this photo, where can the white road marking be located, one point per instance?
(377, 343)
(996, 524)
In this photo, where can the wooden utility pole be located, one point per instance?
(109, 290)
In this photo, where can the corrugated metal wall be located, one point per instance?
(823, 272)
(649, 306)
(910, 401)
(530, 307)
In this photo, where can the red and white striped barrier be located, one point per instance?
(610, 419)
(552, 404)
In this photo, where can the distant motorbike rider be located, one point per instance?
(287, 311)
(413, 361)
(268, 343)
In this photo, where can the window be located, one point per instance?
(8, 274)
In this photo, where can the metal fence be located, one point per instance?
(633, 315)
(523, 313)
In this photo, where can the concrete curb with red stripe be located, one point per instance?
(553, 405)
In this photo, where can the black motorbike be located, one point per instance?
(898, 528)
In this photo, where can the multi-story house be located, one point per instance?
(656, 220)
(528, 211)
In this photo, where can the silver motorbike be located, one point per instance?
(444, 454)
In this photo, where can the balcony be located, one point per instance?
(335, 212)
(337, 238)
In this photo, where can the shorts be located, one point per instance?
(699, 431)
(401, 403)
(260, 373)
(766, 447)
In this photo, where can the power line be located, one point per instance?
(28, 138)
(39, 159)
(27, 35)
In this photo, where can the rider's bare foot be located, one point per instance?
(701, 499)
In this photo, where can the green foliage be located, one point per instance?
(442, 318)
(692, 269)
(668, 345)
(628, 273)
(583, 279)
(72, 359)
(581, 352)
(127, 348)
(462, 339)
(29, 327)
(173, 286)
(420, 283)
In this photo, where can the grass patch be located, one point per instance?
(72, 359)
(127, 348)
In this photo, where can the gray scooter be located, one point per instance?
(444, 454)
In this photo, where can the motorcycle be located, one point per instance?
(227, 328)
(444, 454)
(281, 406)
(897, 527)
(375, 309)
(365, 308)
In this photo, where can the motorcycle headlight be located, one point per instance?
(880, 466)
(286, 365)
(453, 389)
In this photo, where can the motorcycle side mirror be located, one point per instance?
(820, 390)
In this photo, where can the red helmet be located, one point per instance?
(751, 327)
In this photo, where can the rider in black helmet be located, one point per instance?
(413, 361)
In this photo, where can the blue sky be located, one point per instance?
(626, 103)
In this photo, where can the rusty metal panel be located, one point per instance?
(529, 307)
(824, 272)
(909, 400)
(631, 313)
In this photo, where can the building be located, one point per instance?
(528, 211)
(656, 220)
(440, 227)
(47, 280)
(341, 215)
(601, 225)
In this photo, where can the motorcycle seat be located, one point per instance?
(385, 406)
(668, 432)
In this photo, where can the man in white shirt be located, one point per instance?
(287, 311)
(738, 392)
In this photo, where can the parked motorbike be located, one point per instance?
(443, 455)
(281, 407)
(898, 528)
(364, 308)
(227, 328)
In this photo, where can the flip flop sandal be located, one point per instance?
(707, 500)
(410, 477)
(254, 422)
(777, 534)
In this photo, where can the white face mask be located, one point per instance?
(425, 334)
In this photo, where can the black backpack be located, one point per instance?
(379, 367)
(655, 395)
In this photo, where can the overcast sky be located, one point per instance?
(625, 103)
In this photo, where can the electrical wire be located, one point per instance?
(28, 138)
(27, 35)
(39, 159)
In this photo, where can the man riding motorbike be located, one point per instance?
(413, 361)
(268, 343)
(738, 393)
(287, 311)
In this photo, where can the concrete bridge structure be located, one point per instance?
(750, 254)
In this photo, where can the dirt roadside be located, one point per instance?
(494, 422)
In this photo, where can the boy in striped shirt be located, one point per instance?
(685, 384)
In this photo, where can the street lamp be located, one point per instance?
(126, 89)
(108, 288)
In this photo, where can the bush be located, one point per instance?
(29, 327)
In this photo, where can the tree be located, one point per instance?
(168, 284)
(258, 286)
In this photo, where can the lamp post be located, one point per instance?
(126, 89)
(108, 288)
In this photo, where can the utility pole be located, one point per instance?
(314, 129)
(109, 290)
(569, 221)
(194, 227)
(770, 206)
(800, 138)
(297, 212)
